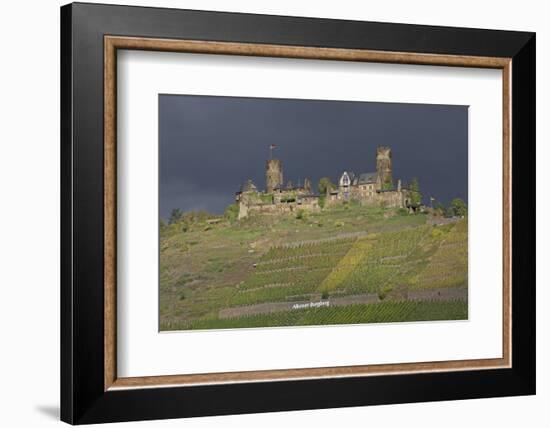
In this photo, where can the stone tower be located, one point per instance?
(273, 175)
(383, 166)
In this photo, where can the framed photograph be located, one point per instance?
(266, 213)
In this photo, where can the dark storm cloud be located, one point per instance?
(210, 145)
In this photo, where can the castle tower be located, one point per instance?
(307, 185)
(383, 166)
(273, 175)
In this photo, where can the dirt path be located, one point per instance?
(441, 294)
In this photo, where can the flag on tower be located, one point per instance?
(271, 147)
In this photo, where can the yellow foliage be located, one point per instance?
(347, 264)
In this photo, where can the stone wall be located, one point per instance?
(392, 198)
(248, 205)
(388, 198)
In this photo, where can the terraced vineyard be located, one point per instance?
(359, 265)
(351, 314)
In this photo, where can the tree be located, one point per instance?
(324, 184)
(387, 186)
(416, 196)
(458, 207)
(231, 212)
(175, 215)
(439, 209)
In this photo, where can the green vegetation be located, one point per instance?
(384, 312)
(324, 184)
(266, 198)
(231, 212)
(416, 196)
(290, 197)
(439, 209)
(211, 263)
(458, 207)
(175, 215)
(448, 267)
(301, 215)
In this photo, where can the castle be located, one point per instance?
(372, 188)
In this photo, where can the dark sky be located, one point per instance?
(210, 145)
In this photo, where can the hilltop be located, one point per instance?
(345, 264)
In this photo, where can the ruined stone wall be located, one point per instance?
(392, 199)
(249, 206)
(243, 210)
(309, 203)
(367, 196)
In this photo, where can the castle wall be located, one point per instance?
(281, 208)
(243, 210)
(392, 199)
(368, 195)
(248, 202)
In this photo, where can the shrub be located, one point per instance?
(175, 215)
(324, 184)
(436, 232)
(458, 207)
(266, 198)
(231, 212)
(301, 215)
(383, 293)
(416, 196)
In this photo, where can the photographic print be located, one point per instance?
(291, 212)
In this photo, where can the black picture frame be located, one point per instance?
(83, 398)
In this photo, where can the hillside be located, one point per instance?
(349, 264)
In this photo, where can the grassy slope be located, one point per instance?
(207, 267)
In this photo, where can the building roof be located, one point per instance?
(366, 177)
(350, 174)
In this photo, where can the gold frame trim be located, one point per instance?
(113, 43)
